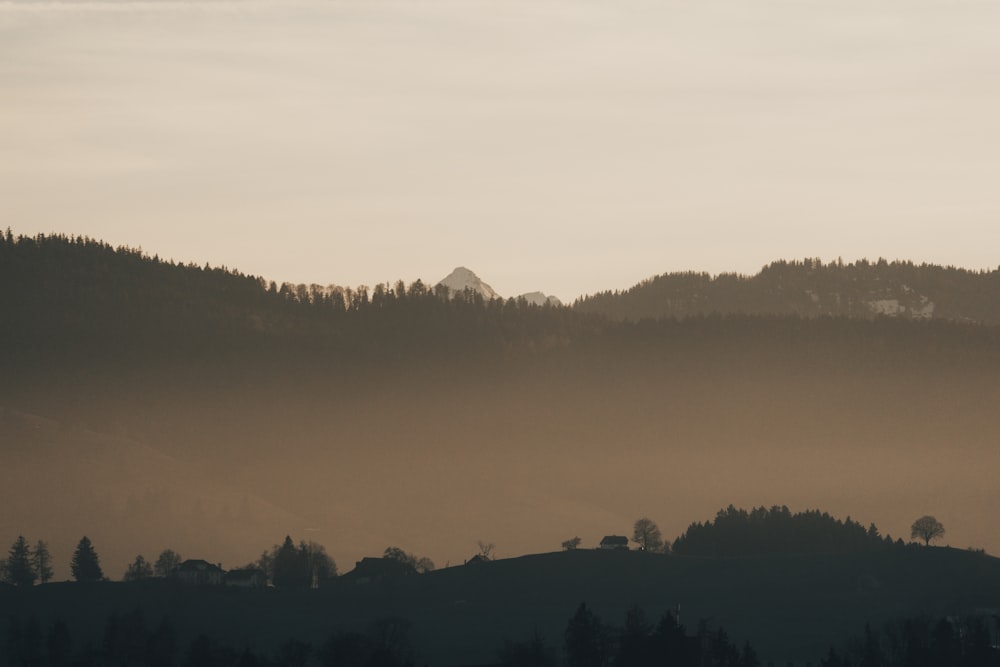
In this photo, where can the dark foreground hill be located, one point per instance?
(810, 289)
(789, 607)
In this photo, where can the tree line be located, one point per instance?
(762, 531)
(733, 533)
(75, 300)
(811, 288)
(921, 641)
(286, 565)
(129, 640)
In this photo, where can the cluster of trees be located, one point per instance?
(25, 564)
(70, 293)
(921, 641)
(422, 564)
(810, 288)
(590, 642)
(73, 300)
(129, 640)
(304, 566)
(760, 531)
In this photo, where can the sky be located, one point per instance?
(567, 146)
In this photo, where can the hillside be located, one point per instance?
(811, 289)
(790, 607)
(231, 413)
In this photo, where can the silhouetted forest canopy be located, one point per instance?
(75, 301)
(922, 641)
(776, 530)
(811, 288)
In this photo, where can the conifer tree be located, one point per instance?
(41, 561)
(19, 568)
(85, 564)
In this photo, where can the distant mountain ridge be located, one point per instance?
(810, 288)
(462, 279)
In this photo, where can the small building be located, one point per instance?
(250, 577)
(478, 559)
(614, 543)
(369, 569)
(199, 573)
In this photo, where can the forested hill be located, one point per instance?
(70, 299)
(811, 288)
(76, 295)
(79, 303)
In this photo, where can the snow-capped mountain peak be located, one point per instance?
(462, 278)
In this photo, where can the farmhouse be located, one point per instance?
(614, 542)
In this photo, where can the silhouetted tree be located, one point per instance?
(85, 565)
(321, 566)
(636, 643)
(138, 570)
(19, 569)
(647, 535)
(486, 550)
(422, 564)
(166, 563)
(291, 567)
(586, 640)
(571, 544)
(926, 528)
(41, 561)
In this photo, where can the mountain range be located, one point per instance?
(810, 288)
(462, 279)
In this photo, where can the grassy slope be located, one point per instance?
(789, 607)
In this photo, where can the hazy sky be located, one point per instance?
(560, 145)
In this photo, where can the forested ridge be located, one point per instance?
(63, 297)
(811, 288)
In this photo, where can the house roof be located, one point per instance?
(197, 565)
(380, 567)
(615, 539)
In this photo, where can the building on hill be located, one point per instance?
(369, 569)
(478, 559)
(199, 573)
(250, 577)
(614, 543)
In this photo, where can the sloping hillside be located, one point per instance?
(811, 289)
(791, 608)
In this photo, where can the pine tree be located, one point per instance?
(41, 561)
(85, 564)
(19, 568)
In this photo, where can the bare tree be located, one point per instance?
(139, 570)
(166, 562)
(486, 550)
(571, 545)
(647, 535)
(926, 528)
